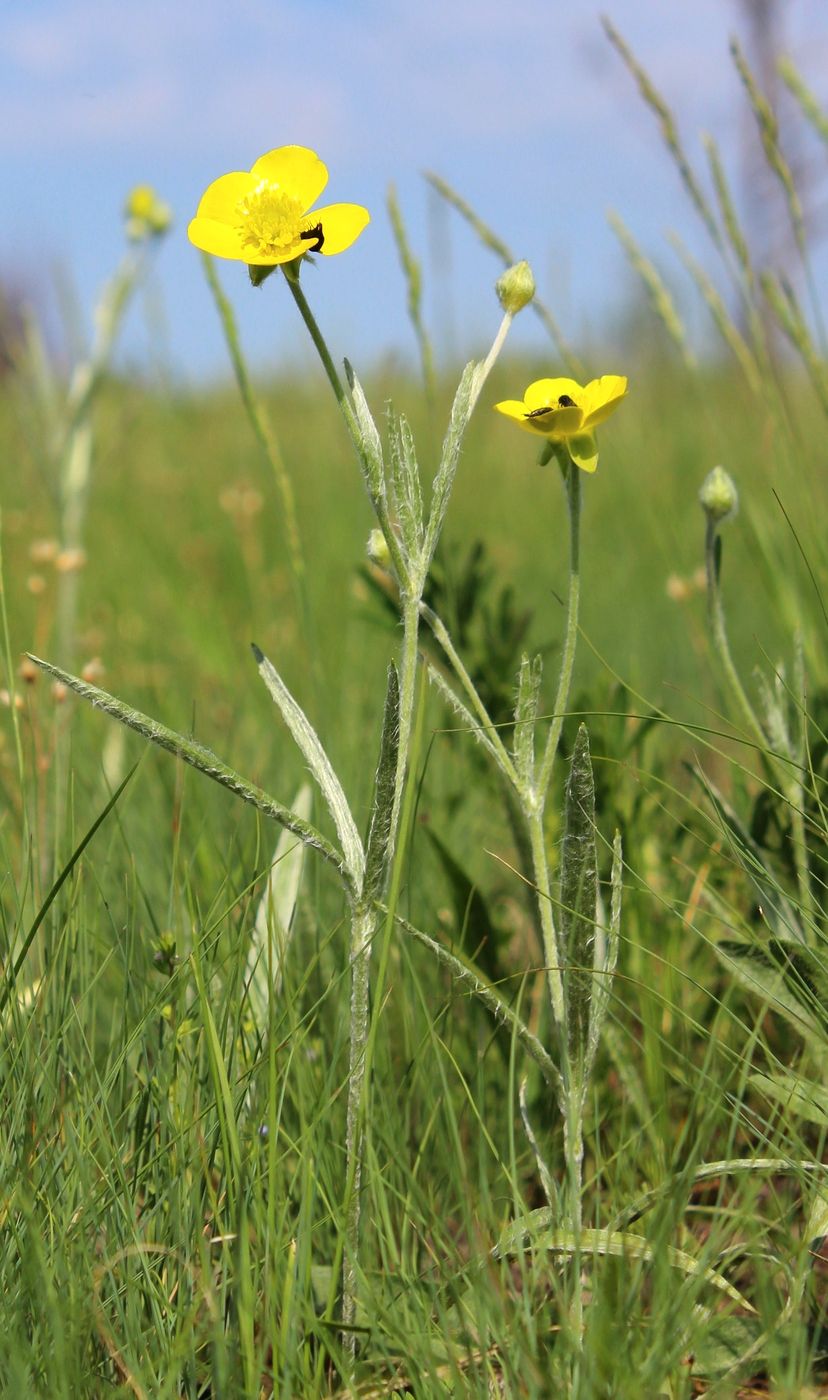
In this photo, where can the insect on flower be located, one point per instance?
(566, 412)
(263, 217)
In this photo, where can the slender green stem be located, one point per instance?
(363, 926)
(441, 634)
(791, 788)
(551, 954)
(265, 437)
(573, 496)
(408, 674)
(718, 628)
(574, 1157)
(291, 275)
(292, 278)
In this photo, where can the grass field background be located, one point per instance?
(171, 1172)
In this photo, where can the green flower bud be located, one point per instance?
(377, 549)
(146, 215)
(719, 496)
(515, 288)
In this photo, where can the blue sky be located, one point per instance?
(521, 104)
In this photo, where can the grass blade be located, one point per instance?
(198, 756)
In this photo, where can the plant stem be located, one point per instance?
(551, 954)
(408, 675)
(291, 276)
(363, 924)
(573, 497)
(441, 634)
(791, 789)
(268, 444)
(718, 628)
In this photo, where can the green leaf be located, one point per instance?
(719, 1348)
(533, 1230)
(526, 717)
(605, 961)
(274, 917)
(371, 458)
(379, 830)
(405, 480)
(799, 1097)
(198, 756)
(579, 893)
(461, 410)
(306, 739)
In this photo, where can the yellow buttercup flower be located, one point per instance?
(566, 412)
(261, 217)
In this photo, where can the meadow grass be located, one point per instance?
(175, 1170)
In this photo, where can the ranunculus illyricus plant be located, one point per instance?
(565, 413)
(263, 216)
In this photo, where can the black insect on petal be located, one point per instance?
(315, 237)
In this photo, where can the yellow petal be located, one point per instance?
(601, 397)
(294, 169)
(546, 392)
(212, 236)
(220, 199)
(513, 409)
(557, 423)
(341, 226)
(584, 451)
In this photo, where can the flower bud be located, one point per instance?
(146, 215)
(377, 549)
(515, 288)
(719, 496)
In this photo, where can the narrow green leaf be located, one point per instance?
(200, 757)
(606, 959)
(371, 458)
(799, 1097)
(526, 718)
(579, 892)
(405, 480)
(274, 917)
(225, 1108)
(461, 409)
(379, 831)
(533, 1231)
(307, 740)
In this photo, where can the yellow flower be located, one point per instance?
(146, 215)
(565, 412)
(260, 217)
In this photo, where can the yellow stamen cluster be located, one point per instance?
(270, 220)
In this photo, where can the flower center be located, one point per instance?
(270, 220)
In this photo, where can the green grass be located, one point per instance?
(173, 1168)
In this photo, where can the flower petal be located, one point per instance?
(221, 239)
(220, 199)
(341, 226)
(512, 408)
(294, 169)
(584, 451)
(546, 392)
(557, 423)
(601, 397)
